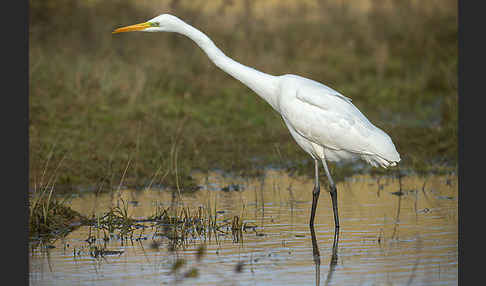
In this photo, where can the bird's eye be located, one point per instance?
(154, 24)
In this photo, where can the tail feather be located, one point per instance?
(375, 161)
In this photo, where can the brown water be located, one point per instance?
(385, 239)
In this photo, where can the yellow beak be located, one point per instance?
(136, 27)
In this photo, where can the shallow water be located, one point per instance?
(385, 238)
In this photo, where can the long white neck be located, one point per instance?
(265, 85)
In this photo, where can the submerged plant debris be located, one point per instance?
(51, 217)
(163, 242)
(177, 225)
(107, 115)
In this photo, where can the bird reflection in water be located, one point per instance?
(317, 256)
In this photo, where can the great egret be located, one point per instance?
(322, 121)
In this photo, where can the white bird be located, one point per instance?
(322, 121)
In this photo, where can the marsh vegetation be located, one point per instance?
(402, 231)
(147, 109)
(127, 135)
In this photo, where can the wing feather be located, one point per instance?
(338, 108)
(325, 117)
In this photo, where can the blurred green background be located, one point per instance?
(144, 109)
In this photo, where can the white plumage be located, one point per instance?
(337, 130)
(322, 121)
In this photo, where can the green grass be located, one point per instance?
(138, 109)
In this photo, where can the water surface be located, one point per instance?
(393, 232)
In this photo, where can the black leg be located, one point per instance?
(316, 255)
(315, 248)
(333, 192)
(315, 198)
(315, 194)
(334, 257)
(334, 205)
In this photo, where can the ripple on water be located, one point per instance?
(384, 239)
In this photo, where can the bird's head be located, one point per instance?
(161, 23)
